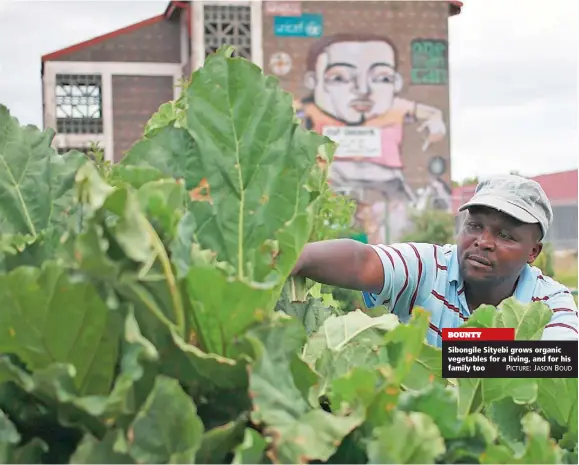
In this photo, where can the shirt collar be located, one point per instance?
(453, 268)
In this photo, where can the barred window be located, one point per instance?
(79, 104)
(228, 25)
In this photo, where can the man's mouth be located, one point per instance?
(362, 105)
(479, 261)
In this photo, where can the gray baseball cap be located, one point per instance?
(519, 197)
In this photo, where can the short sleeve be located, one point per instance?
(563, 324)
(406, 272)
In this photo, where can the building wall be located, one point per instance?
(135, 99)
(139, 69)
(405, 121)
(157, 42)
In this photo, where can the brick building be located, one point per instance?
(372, 75)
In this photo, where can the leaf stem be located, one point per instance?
(159, 248)
(146, 299)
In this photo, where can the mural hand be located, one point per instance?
(436, 131)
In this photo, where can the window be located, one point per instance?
(79, 104)
(228, 25)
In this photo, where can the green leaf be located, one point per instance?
(539, 447)
(299, 431)
(356, 387)
(55, 387)
(409, 438)
(218, 442)
(36, 183)
(557, 399)
(522, 390)
(162, 202)
(507, 416)
(48, 316)
(247, 139)
(167, 429)
(251, 450)
(477, 434)
(439, 403)
(426, 369)
(338, 331)
(33, 451)
(171, 151)
(483, 317)
(225, 313)
(207, 375)
(91, 450)
(311, 311)
(529, 320)
(9, 437)
(405, 344)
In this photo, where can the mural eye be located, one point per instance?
(384, 79)
(336, 79)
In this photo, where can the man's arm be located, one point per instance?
(396, 275)
(563, 324)
(342, 263)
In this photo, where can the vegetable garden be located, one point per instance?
(146, 313)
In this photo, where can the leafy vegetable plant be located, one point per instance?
(146, 313)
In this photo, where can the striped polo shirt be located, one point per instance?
(428, 276)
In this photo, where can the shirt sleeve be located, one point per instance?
(405, 275)
(563, 324)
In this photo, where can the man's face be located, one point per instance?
(354, 81)
(493, 247)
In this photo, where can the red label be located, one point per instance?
(478, 334)
(292, 8)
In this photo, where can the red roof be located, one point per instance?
(172, 7)
(561, 188)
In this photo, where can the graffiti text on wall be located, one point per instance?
(429, 62)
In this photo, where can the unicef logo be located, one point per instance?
(313, 29)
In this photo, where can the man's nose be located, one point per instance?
(485, 241)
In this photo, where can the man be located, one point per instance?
(506, 220)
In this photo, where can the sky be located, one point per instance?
(514, 68)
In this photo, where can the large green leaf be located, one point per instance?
(409, 438)
(35, 182)
(49, 316)
(167, 429)
(539, 447)
(248, 140)
(279, 386)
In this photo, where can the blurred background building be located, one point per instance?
(371, 75)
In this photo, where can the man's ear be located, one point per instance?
(535, 252)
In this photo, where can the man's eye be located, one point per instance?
(505, 235)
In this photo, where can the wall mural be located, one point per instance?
(354, 96)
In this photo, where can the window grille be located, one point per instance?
(79, 104)
(228, 25)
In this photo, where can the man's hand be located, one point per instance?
(342, 263)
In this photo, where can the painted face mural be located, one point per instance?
(355, 97)
(354, 82)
